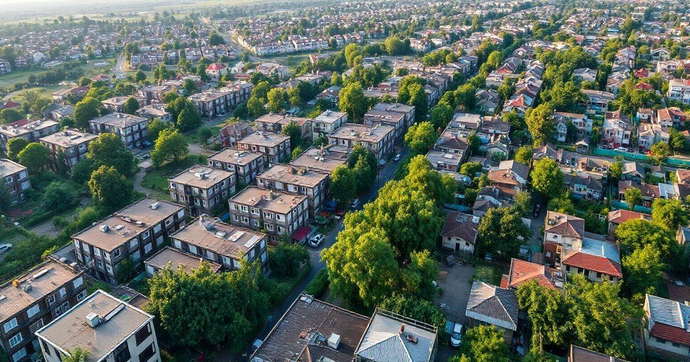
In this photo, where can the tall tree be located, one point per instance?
(353, 102)
(15, 146)
(170, 146)
(131, 105)
(343, 184)
(35, 156)
(109, 188)
(483, 343)
(633, 196)
(547, 178)
(501, 232)
(108, 150)
(540, 124)
(643, 273)
(86, 110)
(669, 213)
(547, 313)
(421, 137)
(637, 233)
(293, 131)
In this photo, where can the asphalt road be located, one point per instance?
(385, 174)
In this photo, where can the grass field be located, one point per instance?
(157, 179)
(488, 273)
(90, 70)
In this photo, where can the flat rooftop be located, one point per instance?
(293, 175)
(127, 223)
(268, 200)
(320, 160)
(118, 120)
(119, 320)
(178, 259)
(329, 117)
(21, 128)
(362, 133)
(68, 138)
(219, 237)
(266, 139)
(15, 299)
(201, 176)
(274, 118)
(236, 157)
(9, 167)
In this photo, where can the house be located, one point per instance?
(297, 181)
(274, 146)
(561, 231)
(327, 122)
(393, 119)
(154, 93)
(666, 332)
(15, 179)
(131, 129)
(620, 216)
(202, 189)
(61, 113)
(406, 110)
(465, 122)
(156, 111)
(314, 330)
(616, 131)
(393, 337)
(581, 354)
(220, 243)
(27, 129)
(105, 327)
(331, 94)
(492, 305)
(274, 122)
(679, 90)
(493, 129)
(34, 299)
(522, 271)
(593, 257)
(230, 134)
(585, 75)
(115, 104)
(583, 185)
(459, 232)
(597, 101)
(176, 260)
(216, 71)
(510, 176)
(444, 161)
(275, 213)
(132, 233)
(67, 147)
(270, 69)
(580, 121)
(378, 139)
(245, 166)
(453, 141)
(5, 67)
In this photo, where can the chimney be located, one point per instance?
(93, 320)
(334, 341)
(402, 329)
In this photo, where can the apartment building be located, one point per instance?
(5, 67)
(378, 138)
(297, 181)
(222, 243)
(243, 164)
(230, 134)
(71, 144)
(133, 233)
(202, 189)
(115, 104)
(320, 160)
(679, 90)
(326, 123)
(176, 259)
(154, 93)
(15, 178)
(107, 328)
(33, 300)
(275, 122)
(273, 212)
(407, 111)
(274, 146)
(154, 111)
(131, 129)
(392, 119)
(212, 103)
(28, 130)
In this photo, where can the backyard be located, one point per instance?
(157, 179)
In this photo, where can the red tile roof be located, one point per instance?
(670, 333)
(215, 66)
(620, 216)
(522, 271)
(644, 86)
(595, 263)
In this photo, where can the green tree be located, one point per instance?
(441, 115)
(126, 271)
(81, 172)
(5, 200)
(633, 196)
(483, 343)
(343, 184)
(15, 146)
(255, 106)
(523, 203)
(562, 204)
(524, 155)
(659, 152)
(287, 258)
(616, 170)
(155, 128)
(540, 124)
(170, 146)
(547, 313)
(109, 188)
(86, 110)
(547, 178)
(395, 46)
(76, 355)
(637, 233)
(669, 213)
(643, 273)
(10, 115)
(677, 140)
(276, 100)
(35, 157)
(204, 134)
(471, 169)
(420, 138)
(57, 197)
(131, 105)
(501, 232)
(293, 131)
(215, 39)
(473, 142)
(189, 118)
(139, 76)
(416, 308)
(108, 150)
(419, 100)
(353, 102)
(364, 165)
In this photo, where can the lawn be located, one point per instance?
(157, 178)
(488, 273)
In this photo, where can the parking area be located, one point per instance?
(456, 284)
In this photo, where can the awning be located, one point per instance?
(301, 233)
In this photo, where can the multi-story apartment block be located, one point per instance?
(297, 181)
(211, 103)
(378, 139)
(273, 212)
(15, 178)
(133, 233)
(243, 164)
(275, 122)
(202, 188)
(320, 160)
(273, 145)
(5, 67)
(115, 104)
(221, 243)
(71, 144)
(392, 119)
(154, 93)
(326, 123)
(230, 134)
(154, 111)
(107, 328)
(33, 300)
(131, 129)
(679, 90)
(176, 259)
(28, 130)
(407, 111)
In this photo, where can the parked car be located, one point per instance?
(397, 158)
(355, 203)
(5, 248)
(450, 260)
(456, 336)
(316, 240)
(537, 209)
(622, 149)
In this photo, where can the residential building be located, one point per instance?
(244, 165)
(131, 129)
(221, 243)
(597, 101)
(510, 176)
(666, 332)
(132, 233)
(444, 161)
(595, 258)
(378, 139)
(522, 271)
(459, 232)
(211, 103)
(5, 67)
(68, 146)
(154, 93)
(105, 327)
(620, 216)
(274, 122)
(679, 90)
(580, 121)
(33, 300)
(327, 122)
(392, 119)
(230, 134)
(583, 185)
(216, 71)
(320, 160)
(29, 130)
(393, 337)
(561, 231)
(492, 305)
(115, 104)
(585, 74)
(176, 260)
(314, 330)
(616, 131)
(156, 111)
(297, 181)
(15, 178)
(465, 122)
(407, 110)
(273, 212)
(202, 189)
(581, 354)
(274, 146)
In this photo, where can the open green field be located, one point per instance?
(90, 69)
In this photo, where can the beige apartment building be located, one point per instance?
(273, 212)
(245, 165)
(378, 139)
(202, 189)
(71, 143)
(273, 145)
(15, 177)
(296, 181)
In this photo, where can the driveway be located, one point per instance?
(456, 284)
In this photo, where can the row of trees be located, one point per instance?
(355, 178)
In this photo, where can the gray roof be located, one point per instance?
(669, 312)
(383, 341)
(493, 305)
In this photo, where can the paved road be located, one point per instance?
(385, 174)
(120, 66)
(229, 41)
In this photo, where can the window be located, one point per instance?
(109, 269)
(142, 334)
(81, 295)
(675, 344)
(256, 223)
(116, 253)
(78, 282)
(122, 353)
(96, 251)
(662, 341)
(16, 340)
(192, 249)
(599, 275)
(51, 299)
(147, 248)
(19, 355)
(147, 353)
(33, 310)
(63, 292)
(10, 325)
(36, 326)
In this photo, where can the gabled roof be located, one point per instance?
(620, 216)
(669, 319)
(383, 340)
(460, 225)
(565, 225)
(597, 255)
(493, 305)
(522, 271)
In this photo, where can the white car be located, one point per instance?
(316, 240)
(5, 248)
(355, 203)
(456, 336)
(397, 158)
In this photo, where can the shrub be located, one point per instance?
(319, 284)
